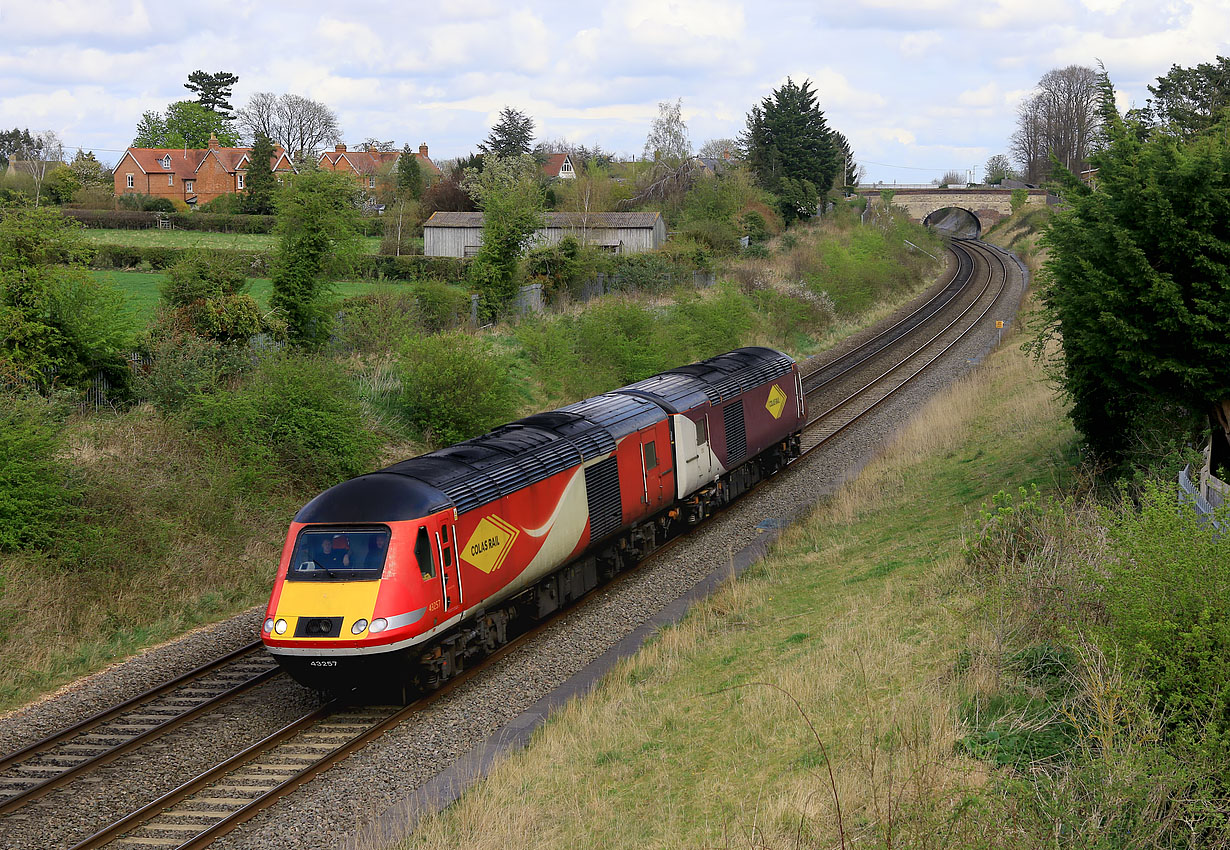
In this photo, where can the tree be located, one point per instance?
(998, 168)
(318, 236)
(260, 185)
(1137, 285)
(787, 138)
(186, 124)
(12, 142)
(88, 170)
(58, 323)
(850, 171)
(213, 91)
(61, 185)
(725, 149)
(1060, 119)
(512, 135)
(508, 193)
(1188, 101)
(39, 158)
(668, 141)
(409, 174)
(300, 125)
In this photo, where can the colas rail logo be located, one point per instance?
(490, 544)
(776, 402)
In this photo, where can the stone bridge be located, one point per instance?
(986, 205)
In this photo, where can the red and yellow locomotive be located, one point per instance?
(413, 570)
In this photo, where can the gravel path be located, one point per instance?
(325, 811)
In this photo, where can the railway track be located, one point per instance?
(201, 810)
(60, 758)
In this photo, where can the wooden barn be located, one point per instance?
(459, 234)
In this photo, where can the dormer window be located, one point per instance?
(166, 161)
(567, 166)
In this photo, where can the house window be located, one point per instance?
(239, 177)
(371, 182)
(166, 161)
(170, 179)
(128, 179)
(567, 166)
(188, 185)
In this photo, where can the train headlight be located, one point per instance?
(280, 627)
(358, 627)
(269, 625)
(378, 625)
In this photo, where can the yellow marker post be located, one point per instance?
(1000, 326)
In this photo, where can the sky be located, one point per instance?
(919, 87)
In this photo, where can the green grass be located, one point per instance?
(140, 289)
(153, 237)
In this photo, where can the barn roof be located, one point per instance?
(554, 219)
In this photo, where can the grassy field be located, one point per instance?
(153, 237)
(141, 291)
(816, 701)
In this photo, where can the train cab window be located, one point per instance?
(702, 430)
(340, 554)
(651, 455)
(422, 554)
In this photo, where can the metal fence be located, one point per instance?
(1202, 498)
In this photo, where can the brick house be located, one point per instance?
(372, 167)
(192, 176)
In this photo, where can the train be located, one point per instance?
(410, 573)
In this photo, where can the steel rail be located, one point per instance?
(927, 364)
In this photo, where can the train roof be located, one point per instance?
(714, 380)
(376, 497)
(485, 468)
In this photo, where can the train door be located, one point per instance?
(450, 569)
(651, 468)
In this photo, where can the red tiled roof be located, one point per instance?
(554, 163)
(373, 162)
(185, 163)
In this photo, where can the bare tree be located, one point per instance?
(299, 124)
(39, 158)
(720, 149)
(1061, 118)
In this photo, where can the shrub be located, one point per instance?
(185, 365)
(36, 496)
(229, 204)
(719, 236)
(702, 326)
(455, 385)
(1166, 595)
(1018, 200)
(440, 306)
(296, 419)
(159, 205)
(377, 321)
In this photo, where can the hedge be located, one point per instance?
(212, 222)
(414, 267)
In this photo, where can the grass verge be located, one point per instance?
(817, 701)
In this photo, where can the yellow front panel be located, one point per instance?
(348, 599)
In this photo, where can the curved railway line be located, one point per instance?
(196, 813)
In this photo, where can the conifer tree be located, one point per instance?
(260, 185)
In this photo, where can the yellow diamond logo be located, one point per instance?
(776, 402)
(490, 544)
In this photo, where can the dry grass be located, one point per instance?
(168, 541)
(814, 702)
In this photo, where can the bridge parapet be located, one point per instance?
(987, 204)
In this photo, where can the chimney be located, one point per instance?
(423, 150)
(339, 148)
(213, 141)
(371, 148)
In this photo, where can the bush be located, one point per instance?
(720, 237)
(161, 205)
(185, 365)
(295, 420)
(377, 321)
(37, 499)
(455, 385)
(1166, 595)
(440, 306)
